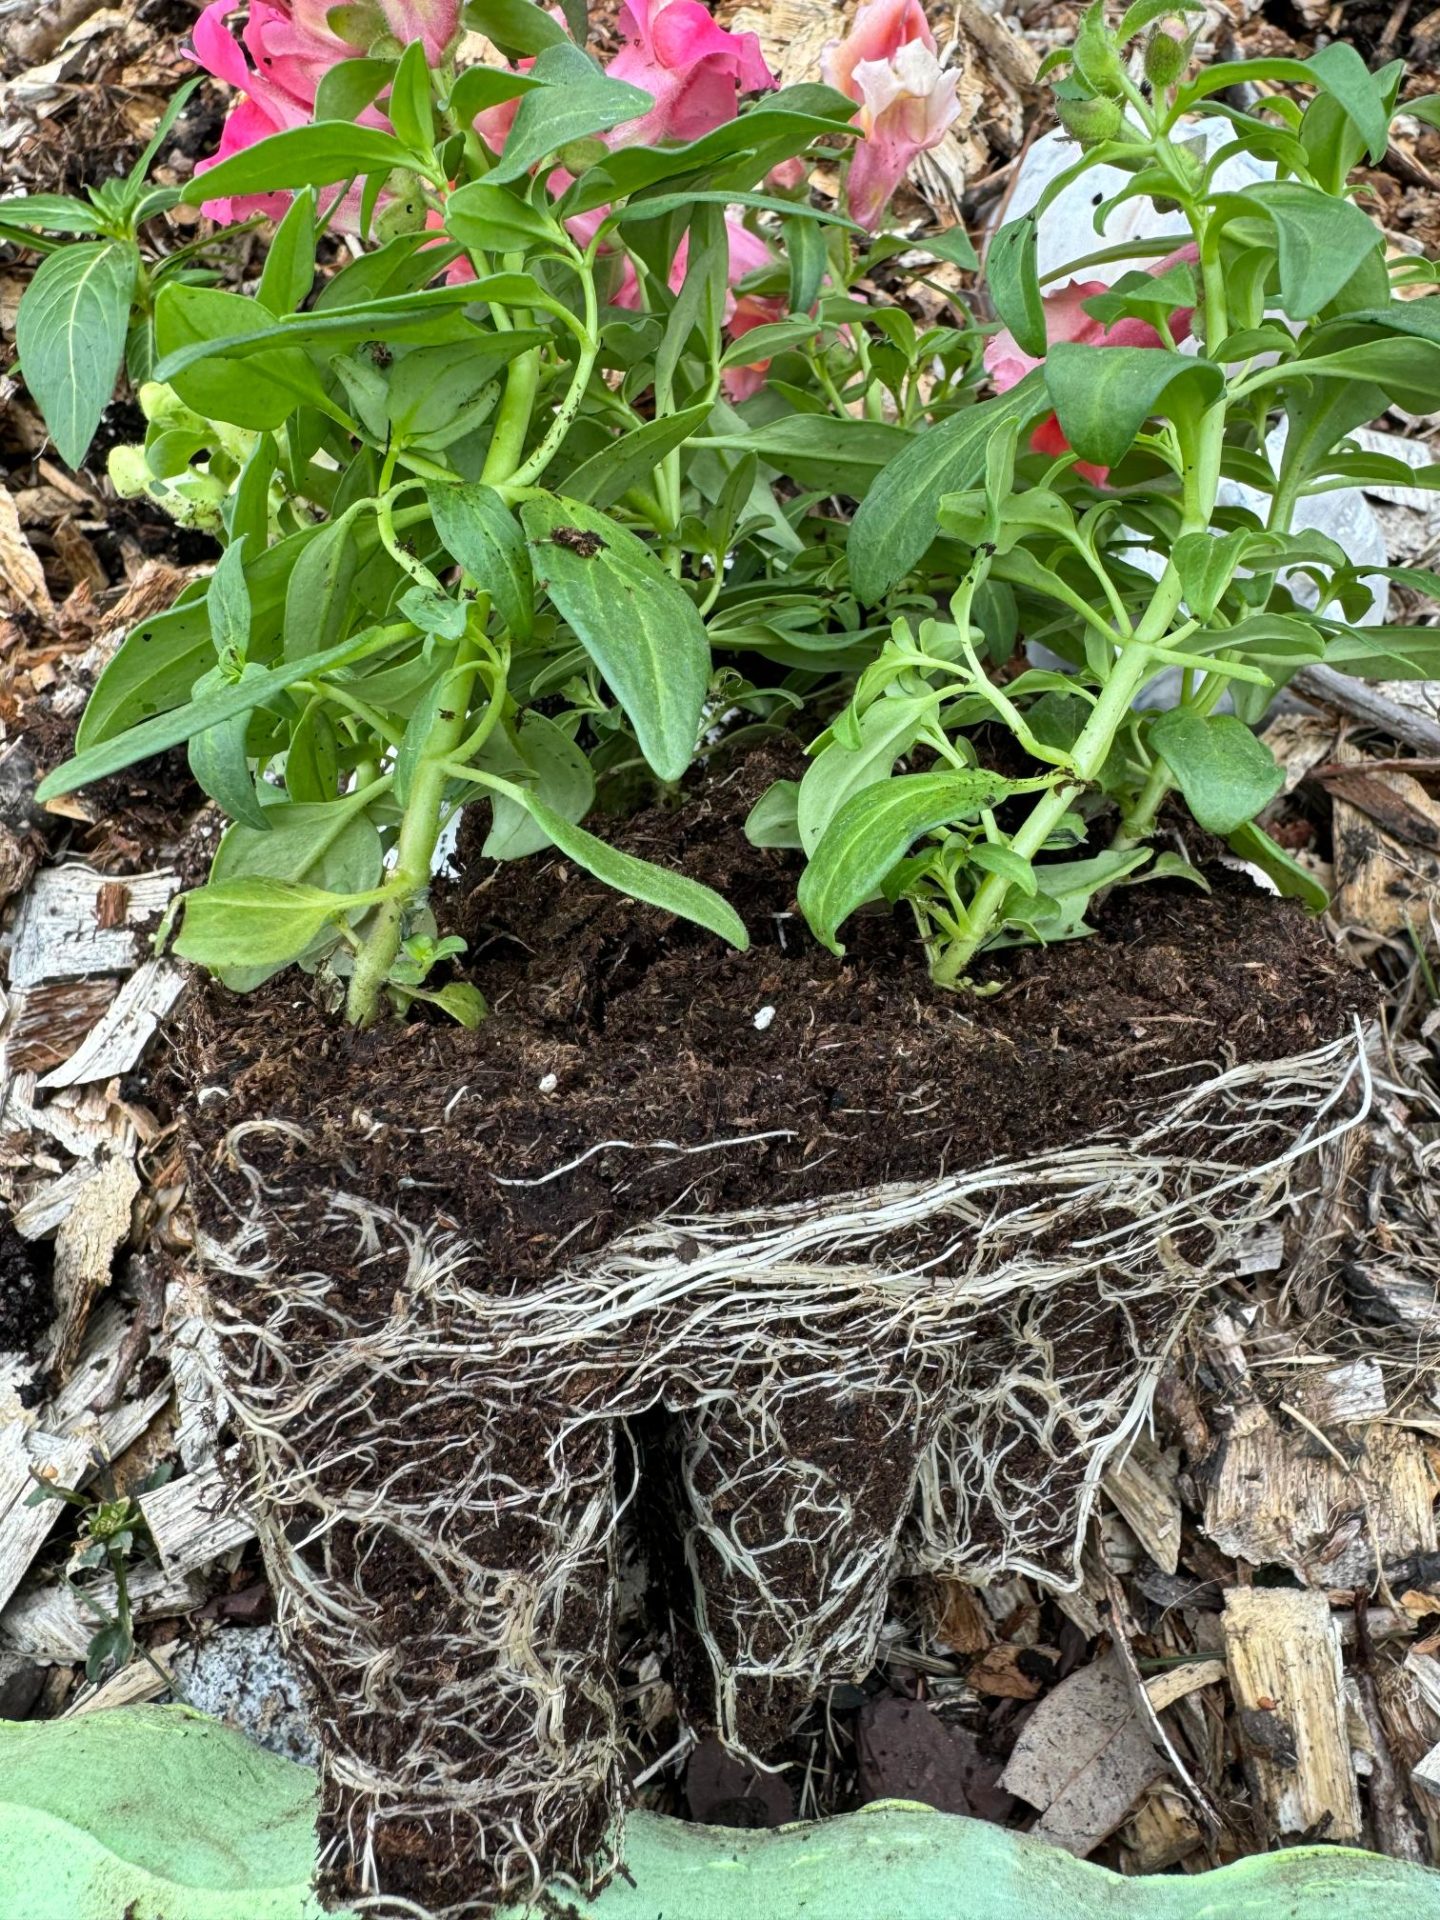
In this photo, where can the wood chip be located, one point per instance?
(1143, 1487)
(1283, 1650)
(1083, 1758)
(115, 1045)
(1164, 1689)
(1278, 1496)
(20, 568)
(60, 1441)
(60, 932)
(194, 1520)
(135, 1683)
(47, 1621)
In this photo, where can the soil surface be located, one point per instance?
(614, 1022)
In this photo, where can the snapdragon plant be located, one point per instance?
(1087, 509)
(479, 487)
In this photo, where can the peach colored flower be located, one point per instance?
(888, 63)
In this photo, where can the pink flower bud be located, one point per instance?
(888, 63)
(693, 68)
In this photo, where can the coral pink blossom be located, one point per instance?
(888, 63)
(286, 49)
(1007, 362)
(278, 89)
(694, 70)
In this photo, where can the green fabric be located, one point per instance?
(154, 1813)
(157, 1813)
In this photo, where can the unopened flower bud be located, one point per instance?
(1164, 58)
(1091, 121)
(1097, 58)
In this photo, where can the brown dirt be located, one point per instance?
(648, 1027)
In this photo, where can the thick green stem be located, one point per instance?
(419, 835)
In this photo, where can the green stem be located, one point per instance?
(419, 834)
(534, 467)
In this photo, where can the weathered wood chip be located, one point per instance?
(1283, 1651)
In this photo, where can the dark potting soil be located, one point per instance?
(27, 1292)
(612, 1023)
(615, 1022)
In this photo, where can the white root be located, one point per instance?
(911, 1377)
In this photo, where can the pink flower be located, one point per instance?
(290, 48)
(436, 22)
(692, 67)
(887, 62)
(1007, 362)
(278, 90)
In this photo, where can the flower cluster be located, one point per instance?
(694, 70)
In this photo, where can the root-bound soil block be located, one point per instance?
(890, 1273)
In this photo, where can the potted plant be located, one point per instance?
(611, 489)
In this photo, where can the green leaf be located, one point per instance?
(561, 777)
(493, 220)
(217, 756)
(833, 455)
(573, 99)
(464, 1004)
(888, 728)
(1014, 283)
(637, 624)
(517, 27)
(994, 857)
(479, 87)
(1383, 653)
(898, 518)
(480, 532)
(1140, 15)
(633, 458)
(289, 270)
(1104, 395)
(1226, 775)
(1151, 297)
(1295, 882)
(118, 750)
(1206, 564)
(52, 212)
(873, 831)
(1322, 241)
(227, 601)
(71, 331)
(319, 597)
(259, 923)
(261, 395)
(319, 155)
(411, 110)
(759, 130)
(347, 88)
(773, 821)
(671, 892)
(1346, 78)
